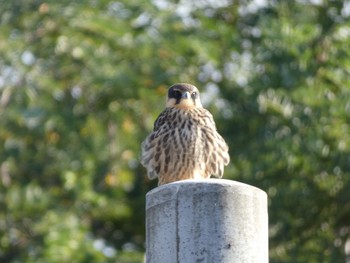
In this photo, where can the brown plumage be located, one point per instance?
(184, 143)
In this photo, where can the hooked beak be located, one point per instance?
(186, 95)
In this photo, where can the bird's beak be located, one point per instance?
(186, 95)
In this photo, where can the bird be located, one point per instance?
(184, 143)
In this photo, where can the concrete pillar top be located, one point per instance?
(212, 220)
(170, 191)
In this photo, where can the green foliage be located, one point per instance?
(81, 83)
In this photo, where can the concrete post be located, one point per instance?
(213, 221)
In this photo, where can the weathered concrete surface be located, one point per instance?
(213, 221)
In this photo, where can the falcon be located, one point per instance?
(184, 143)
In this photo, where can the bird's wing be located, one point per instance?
(217, 148)
(150, 147)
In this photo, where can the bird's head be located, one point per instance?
(183, 96)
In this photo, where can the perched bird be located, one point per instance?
(184, 143)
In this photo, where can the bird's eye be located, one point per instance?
(175, 94)
(194, 95)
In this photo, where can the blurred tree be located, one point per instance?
(81, 83)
